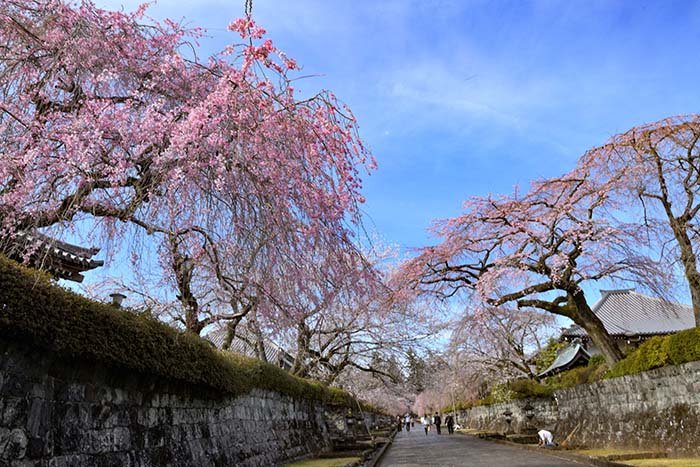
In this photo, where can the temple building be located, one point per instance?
(630, 318)
(60, 259)
(571, 356)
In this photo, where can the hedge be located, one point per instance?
(658, 351)
(38, 313)
(674, 349)
(526, 388)
(593, 371)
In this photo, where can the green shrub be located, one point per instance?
(500, 393)
(516, 389)
(463, 405)
(684, 346)
(37, 313)
(596, 360)
(580, 375)
(651, 354)
(524, 388)
(674, 349)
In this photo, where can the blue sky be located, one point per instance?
(461, 98)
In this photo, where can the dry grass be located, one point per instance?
(680, 462)
(606, 452)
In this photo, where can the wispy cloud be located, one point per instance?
(464, 97)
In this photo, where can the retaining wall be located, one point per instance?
(56, 413)
(657, 409)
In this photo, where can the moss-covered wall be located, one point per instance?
(85, 384)
(45, 317)
(657, 409)
(70, 413)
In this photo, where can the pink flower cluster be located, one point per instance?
(104, 118)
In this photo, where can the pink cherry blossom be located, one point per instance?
(110, 122)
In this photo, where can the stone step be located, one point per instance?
(489, 435)
(523, 438)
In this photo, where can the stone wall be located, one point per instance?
(655, 409)
(60, 413)
(492, 418)
(658, 409)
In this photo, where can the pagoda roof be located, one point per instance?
(62, 260)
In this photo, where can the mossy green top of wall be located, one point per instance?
(38, 313)
(673, 349)
(658, 351)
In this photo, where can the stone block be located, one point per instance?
(14, 412)
(13, 444)
(39, 417)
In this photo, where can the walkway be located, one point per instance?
(415, 449)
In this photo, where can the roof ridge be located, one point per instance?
(617, 291)
(662, 300)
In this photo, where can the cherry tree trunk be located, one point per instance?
(583, 316)
(690, 267)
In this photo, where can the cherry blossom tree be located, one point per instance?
(502, 341)
(488, 347)
(429, 401)
(536, 250)
(656, 167)
(452, 377)
(112, 120)
(350, 323)
(386, 390)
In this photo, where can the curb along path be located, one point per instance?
(416, 449)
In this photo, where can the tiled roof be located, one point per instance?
(566, 358)
(628, 313)
(63, 260)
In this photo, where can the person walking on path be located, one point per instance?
(425, 420)
(407, 421)
(437, 421)
(450, 422)
(399, 421)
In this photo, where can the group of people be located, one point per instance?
(428, 421)
(545, 436)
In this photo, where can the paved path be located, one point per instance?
(414, 449)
